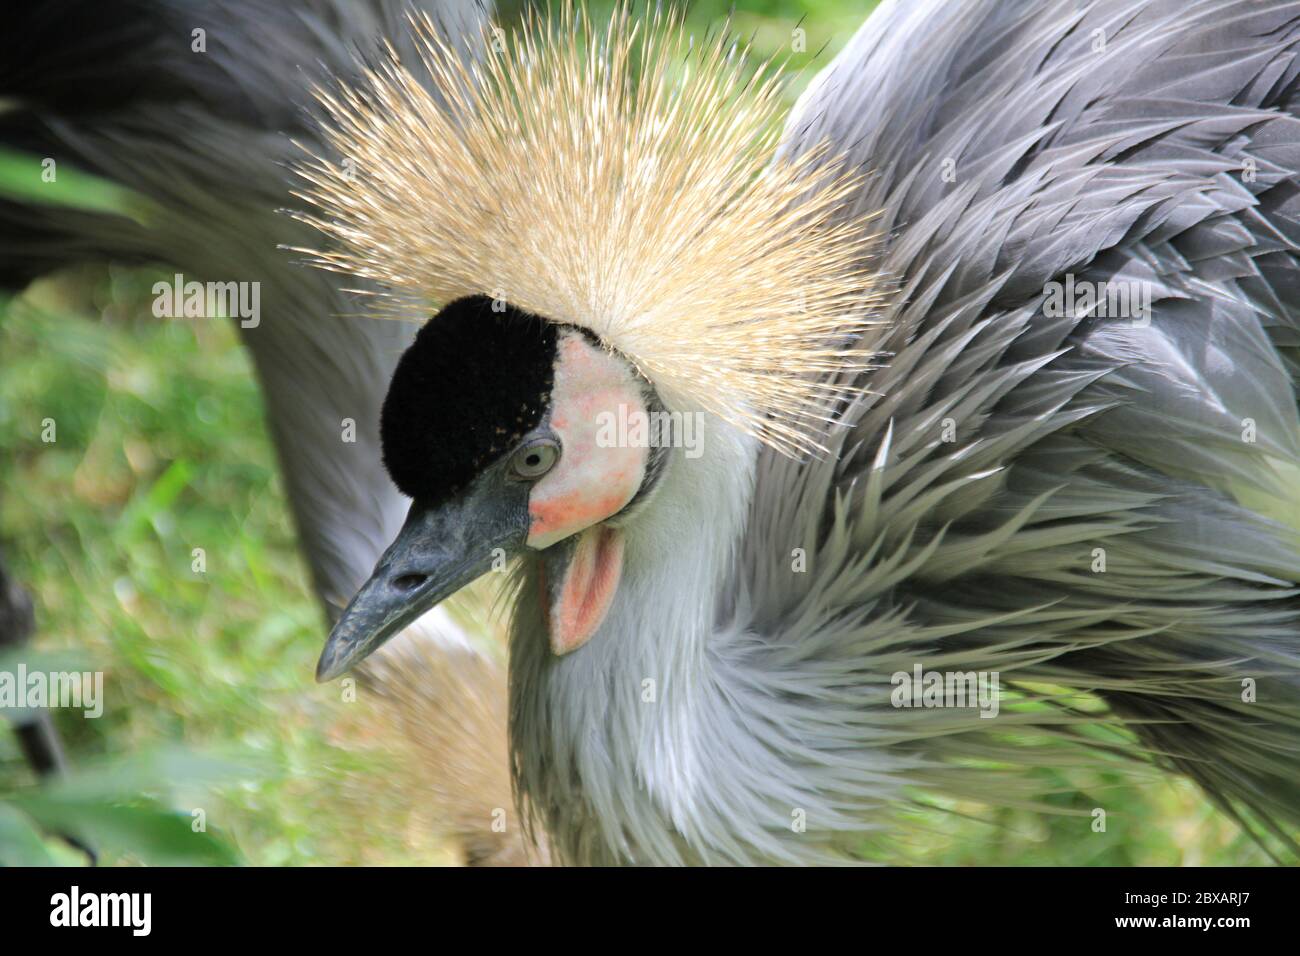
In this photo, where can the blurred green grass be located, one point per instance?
(161, 449)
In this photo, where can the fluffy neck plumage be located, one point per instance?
(635, 698)
(678, 734)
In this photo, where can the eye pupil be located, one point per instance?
(536, 459)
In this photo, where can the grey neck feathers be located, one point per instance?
(628, 697)
(663, 739)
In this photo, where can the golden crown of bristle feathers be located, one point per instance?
(624, 179)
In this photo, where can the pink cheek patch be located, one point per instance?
(594, 479)
(556, 518)
(585, 594)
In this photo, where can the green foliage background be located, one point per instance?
(161, 449)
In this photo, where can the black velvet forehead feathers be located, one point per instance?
(472, 384)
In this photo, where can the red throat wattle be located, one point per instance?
(583, 598)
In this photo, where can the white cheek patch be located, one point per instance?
(593, 480)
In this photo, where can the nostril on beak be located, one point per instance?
(409, 582)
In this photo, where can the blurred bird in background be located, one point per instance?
(202, 139)
(929, 444)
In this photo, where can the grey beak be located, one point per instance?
(437, 552)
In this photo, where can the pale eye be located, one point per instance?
(535, 459)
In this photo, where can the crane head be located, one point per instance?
(497, 426)
(621, 185)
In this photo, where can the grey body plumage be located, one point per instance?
(1113, 142)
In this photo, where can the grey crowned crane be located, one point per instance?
(934, 440)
